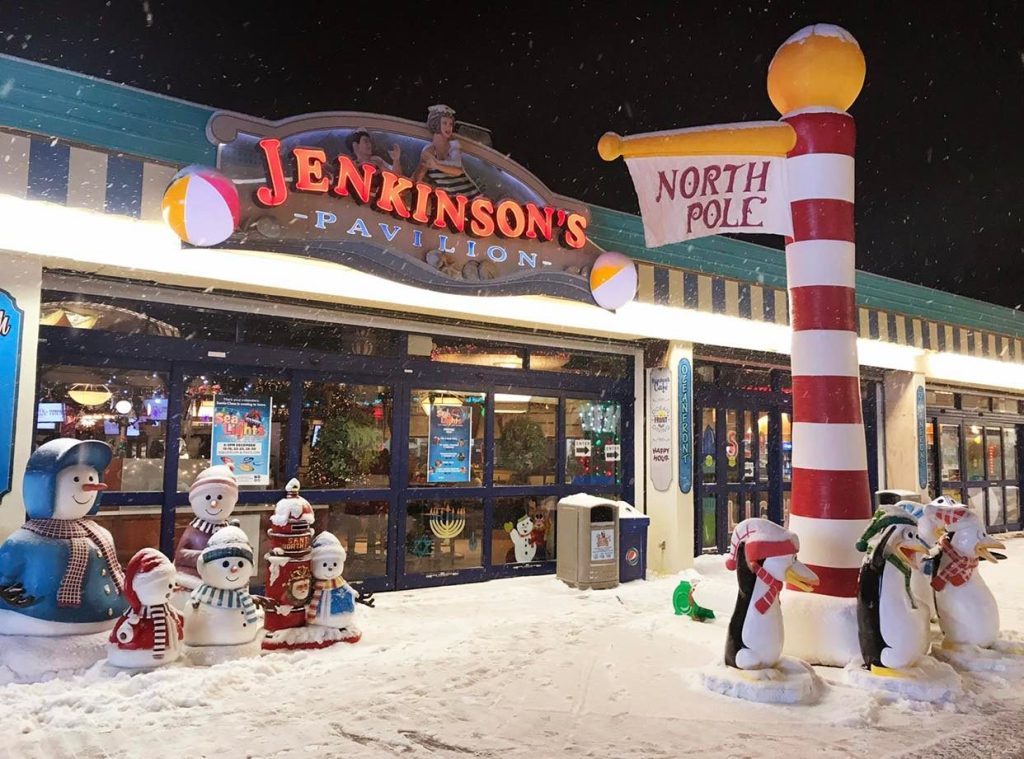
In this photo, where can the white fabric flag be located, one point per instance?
(685, 197)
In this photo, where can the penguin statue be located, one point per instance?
(893, 624)
(968, 613)
(764, 557)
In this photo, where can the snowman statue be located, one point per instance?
(212, 497)
(59, 573)
(148, 634)
(331, 609)
(221, 619)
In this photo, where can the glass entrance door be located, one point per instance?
(743, 449)
(977, 464)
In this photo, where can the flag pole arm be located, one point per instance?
(768, 138)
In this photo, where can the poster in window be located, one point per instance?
(10, 361)
(448, 452)
(241, 437)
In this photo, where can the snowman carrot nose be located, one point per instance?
(92, 486)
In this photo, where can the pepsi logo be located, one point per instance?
(632, 557)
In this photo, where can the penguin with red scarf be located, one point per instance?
(148, 634)
(763, 554)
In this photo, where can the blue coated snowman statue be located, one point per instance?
(59, 573)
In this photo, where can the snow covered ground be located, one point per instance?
(514, 668)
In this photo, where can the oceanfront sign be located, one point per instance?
(421, 204)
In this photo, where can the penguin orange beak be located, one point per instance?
(910, 549)
(799, 576)
(983, 549)
(94, 486)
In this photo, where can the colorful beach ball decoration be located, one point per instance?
(613, 280)
(201, 206)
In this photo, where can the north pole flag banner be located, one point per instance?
(682, 198)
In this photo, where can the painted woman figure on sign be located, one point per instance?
(441, 160)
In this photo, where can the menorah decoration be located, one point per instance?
(445, 522)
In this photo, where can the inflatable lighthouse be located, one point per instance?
(794, 177)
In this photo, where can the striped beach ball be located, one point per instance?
(613, 280)
(201, 206)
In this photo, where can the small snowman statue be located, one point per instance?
(148, 634)
(212, 497)
(59, 573)
(333, 603)
(220, 614)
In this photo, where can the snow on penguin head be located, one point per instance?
(148, 579)
(64, 478)
(893, 531)
(227, 560)
(214, 494)
(774, 548)
(327, 557)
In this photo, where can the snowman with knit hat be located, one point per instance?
(213, 497)
(149, 633)
(59, 573)
(332, 604)
(220, 613)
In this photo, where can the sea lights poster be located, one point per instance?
(241, 437)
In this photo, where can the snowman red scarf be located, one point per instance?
(77, 533)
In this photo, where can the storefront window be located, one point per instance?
(939, 398)
(362, 528)
(524, 439)
(446, 438)
(346, 436)
(787, 504)
(258, 329)
(995, 506)
(929, 432)
(976, 500)
(979, 402)
(709, 521)
(975, 454)
(732, 447)
(242, 421)
(524, 530)
(1010, 453)
(443, 535)
(593, 432)
(1006, 405)
(950, 446)
(455, 350)
(1012, 505)
(131, 527)
(126, 408)
(762, 446)
(576, 362)
(787, 449)
(707, 445)
(993, 453)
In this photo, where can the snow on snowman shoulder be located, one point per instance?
(221, 612)
(293, 509)
(149, 633)
(333, 603)
(59, 573)
(213, 497)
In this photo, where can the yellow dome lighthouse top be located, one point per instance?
(820, 66)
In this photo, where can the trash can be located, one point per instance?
(895, 495)
(587, 541)
(632, 543)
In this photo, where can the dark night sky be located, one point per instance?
(941, 118)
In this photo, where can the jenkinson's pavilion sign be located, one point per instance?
(419, 204)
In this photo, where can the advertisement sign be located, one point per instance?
(420, 203)
(922, 441)
(685, 380)
(682, 198)
(659, 427)
(602, 544)
(448, 450)
(241, 437)
(10, 361)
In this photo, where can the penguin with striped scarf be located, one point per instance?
(220, 612)
(763, 554)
